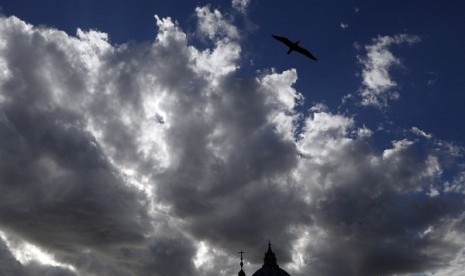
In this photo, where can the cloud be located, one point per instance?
(344, 25)
(213, 24)
(157, 159)
(377, 84)
(9, 265)
(420, 132)
(371, 213)
(68, 112)
(240, 5)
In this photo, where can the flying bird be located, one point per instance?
(294, 46)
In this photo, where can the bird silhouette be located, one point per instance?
(294, 46)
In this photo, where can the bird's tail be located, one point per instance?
(290, 50)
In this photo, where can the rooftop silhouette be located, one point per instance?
(241, 273)
(270, 265)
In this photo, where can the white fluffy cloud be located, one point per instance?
(377, 84)
(156, 159)
(213, 24)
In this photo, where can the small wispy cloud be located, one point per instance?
(432, 78)
(240, 5)
(344, 25)
(419, 132)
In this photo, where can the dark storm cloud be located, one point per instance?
(62, 187)
(59, 189)
(10, 266)
(372, 213)
(156, 159)
(230, 164)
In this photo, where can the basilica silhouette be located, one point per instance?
(270, 266)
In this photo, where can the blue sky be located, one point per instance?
(161, 137)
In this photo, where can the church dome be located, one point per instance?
(270, 266)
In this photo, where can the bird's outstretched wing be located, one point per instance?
(283, 40)
(305, 52)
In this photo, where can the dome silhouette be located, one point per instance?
(270, 266)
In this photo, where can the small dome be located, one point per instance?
(270, 266)
(241, 273)
(270, 271)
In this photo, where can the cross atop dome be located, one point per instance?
(241, 273)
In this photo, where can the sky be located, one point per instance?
(163, 137)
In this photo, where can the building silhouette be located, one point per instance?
(270, 266)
